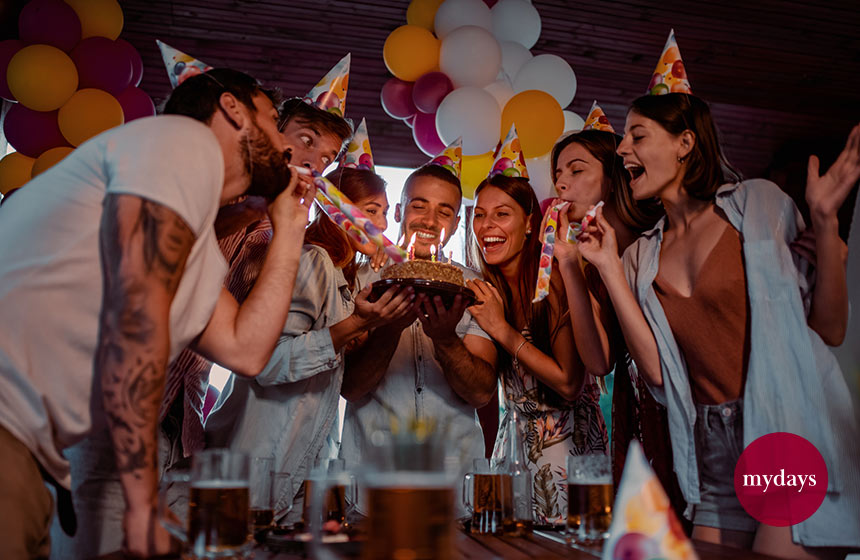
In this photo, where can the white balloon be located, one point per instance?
(502, 91)
(457, 13)
(474, 114)
(540, 177)
(549, 73)
(514, 55)
(470, 56)
(516, 20)
(572, 122)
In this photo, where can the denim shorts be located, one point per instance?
(719, 443)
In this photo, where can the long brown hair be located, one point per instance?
(357, 185)
(638, 215)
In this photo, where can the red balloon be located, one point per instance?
(51, 22)
(397, 99)
(410, 121)
(425, 135)
(135, 104)
(8, 49)
(429, 91)
(32, 132)
(136, 61)
(102, 64)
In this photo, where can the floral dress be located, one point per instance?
(550, 434)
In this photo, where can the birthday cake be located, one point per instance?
(425, 270)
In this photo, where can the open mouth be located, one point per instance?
(492, 242)
(425, 235)
(635, 171)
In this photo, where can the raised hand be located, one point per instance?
(564, 251)
(826, 193)
(598, 244)
(490, 313)
(290, 209)
(379, 260)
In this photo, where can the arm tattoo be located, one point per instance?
(144, 247)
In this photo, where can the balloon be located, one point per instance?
(8, 49)
(549, 73)
(540, 177)
(52, 22)
(410, 52)
(397, 99)
(425, 135)
(429, 91)
(572, 122)
(50, 158)
(136, 61)
(99, 18)
(475, 169)
(516, 20)
(502, 91)
(410, 121)
(422, 13)
(102, 64)
(15, 171)
(472, 113)
(457, 13)
(32, 132)
(470, 56)
(87, 113)
(42, 77)
(539, 121)
(514, 55)
(135, 104)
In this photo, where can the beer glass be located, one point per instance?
(338, 498)
(262, 508)
(488, 494)
(218, 505)
(589, 498)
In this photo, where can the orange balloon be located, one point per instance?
(422, 13)
(89, 112)
(99, 18)
(50, 158)
(42, 77)
(15, 171)
(410, 52)
(475, 169)
(539, 120)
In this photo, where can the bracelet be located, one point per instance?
(517, 352)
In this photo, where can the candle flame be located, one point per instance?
(433, 253)
(401, 240)
(442, 237)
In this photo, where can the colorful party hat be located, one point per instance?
(180, 66)
(330, 93)
(358, 155)
(509, 158)
(451, 158)
(597, 120)
(670, 75)
(643, 522)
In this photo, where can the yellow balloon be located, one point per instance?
(99, 18)
(89, 112)
(50, 158)
(539, 119)
(475, 169)
(15, 171)
(422, 13)
(42, 77)
(410, 52)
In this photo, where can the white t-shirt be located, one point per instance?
(51, 275)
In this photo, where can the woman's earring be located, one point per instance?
(681, 159)
(528, 231)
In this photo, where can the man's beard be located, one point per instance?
(265, 165)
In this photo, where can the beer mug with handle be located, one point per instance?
(589, 498)
(218, 522)
(488, 493)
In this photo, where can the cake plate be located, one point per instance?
(445, 290)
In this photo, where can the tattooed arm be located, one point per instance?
(144, 247)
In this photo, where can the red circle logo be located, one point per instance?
(781, 479)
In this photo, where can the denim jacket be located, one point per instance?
(793, 383)
(289, 410)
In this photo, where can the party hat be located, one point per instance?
(180, 66)
(643, 522)
(451, 158)
(330, 93)
(597, 120)
(358, 155)
(509, 158)
(670, 75)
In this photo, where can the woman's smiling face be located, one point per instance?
(650, 155)
(499, 226)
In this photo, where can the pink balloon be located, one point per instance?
(52, 22)
(135, 104)
(425, 135)
(102, 64)
(136, 61)
(397, 99)
(8, 49)
(410, 121)
(429, 91)
(32, 132)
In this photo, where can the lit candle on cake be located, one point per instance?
(402, 240)
(441, 243)
(410, 250)
(432, 253)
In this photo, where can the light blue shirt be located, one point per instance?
(793, 383)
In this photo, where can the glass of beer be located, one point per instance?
(262, 508)
(589, 498)
(489, 495)
(218, 505)
(338, 498)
